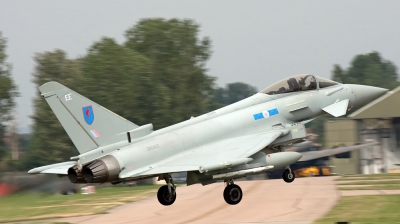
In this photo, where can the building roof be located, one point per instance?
(386, 106)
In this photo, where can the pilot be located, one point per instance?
(293, 85)
(310, 86)
(282, 90)
(313, 85)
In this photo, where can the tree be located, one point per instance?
(368, 69)
(157, 76)
(8, 92)
(3, 148)
(50, 143)
(178, 64)
(232, 93)
(121, 79)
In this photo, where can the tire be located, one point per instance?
(233, 194)
(288, 176)
(163, 195)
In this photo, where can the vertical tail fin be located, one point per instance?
(88, 124)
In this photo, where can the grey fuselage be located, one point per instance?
(239, 119)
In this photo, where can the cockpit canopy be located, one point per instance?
(298, 83)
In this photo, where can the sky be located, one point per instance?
(255, 42)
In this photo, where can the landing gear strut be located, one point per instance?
(288, 175)
(166, 195)
(232, 193)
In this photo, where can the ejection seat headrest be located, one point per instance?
(293, 85)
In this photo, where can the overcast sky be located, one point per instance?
(256, 42)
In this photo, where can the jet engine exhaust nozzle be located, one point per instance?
(75, 175)
(102, 170)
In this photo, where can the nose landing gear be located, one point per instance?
(288, 175)
(233, 193)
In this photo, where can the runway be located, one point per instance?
(264, 201)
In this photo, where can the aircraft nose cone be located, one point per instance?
(365, 94)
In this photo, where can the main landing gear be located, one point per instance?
(232, 193)
(288, 175)
(166, 194)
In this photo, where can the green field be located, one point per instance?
(375, 182)
(365, 209)
(372, 187)
(370, 182)
(370, 177)
(29, 206)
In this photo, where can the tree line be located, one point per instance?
(8, 92)
(158, 75)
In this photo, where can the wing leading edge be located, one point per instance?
(330, 152)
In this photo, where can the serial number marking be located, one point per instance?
(149, 148)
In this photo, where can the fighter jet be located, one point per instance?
(244, 138)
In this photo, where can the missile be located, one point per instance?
(266, 162)
(224, 165)
(242, 172)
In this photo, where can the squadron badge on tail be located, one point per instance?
(88, 114)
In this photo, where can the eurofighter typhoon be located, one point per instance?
(247, 137)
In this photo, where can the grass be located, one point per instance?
(378, 182)
(370, 177)
(374, 187)
(374, 182)
(29, 206)
(365, 209)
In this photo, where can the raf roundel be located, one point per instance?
(88, 114)
(265, 114)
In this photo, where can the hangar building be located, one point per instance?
(377, 121)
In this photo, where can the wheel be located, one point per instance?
(164, 196)
(233, 194)
(288, 176)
